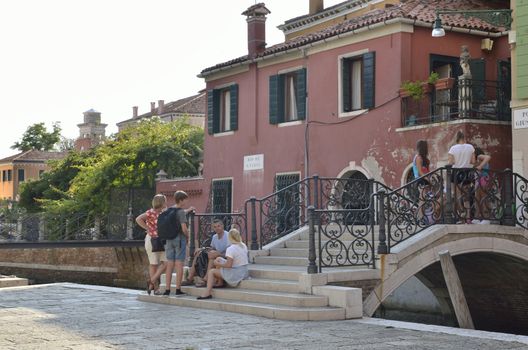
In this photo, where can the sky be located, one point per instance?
(60, 58)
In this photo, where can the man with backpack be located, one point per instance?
(172, 226)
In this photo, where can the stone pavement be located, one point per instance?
(69, 316)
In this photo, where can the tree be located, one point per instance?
(83, 182)
(38, 138)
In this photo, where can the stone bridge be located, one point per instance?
(491, 262)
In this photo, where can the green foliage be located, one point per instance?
(433, 78)
(38, 138)
(415, 89)
(83, 182)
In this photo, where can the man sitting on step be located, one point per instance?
(204, 257)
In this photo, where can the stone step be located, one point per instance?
(277, 272)
(12, 281)
(259, 296)
(280, 312)
(271, 285)
(281, 260)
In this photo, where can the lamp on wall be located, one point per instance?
(501, 18)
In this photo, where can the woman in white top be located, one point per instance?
(231, 270)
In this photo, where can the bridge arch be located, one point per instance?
(507, 249)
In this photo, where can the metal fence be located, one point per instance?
(466, 99)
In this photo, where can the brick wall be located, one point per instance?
(109, 266)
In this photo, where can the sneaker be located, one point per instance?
(485, 222)
(186, 283)
(475, 221)
(179, 292)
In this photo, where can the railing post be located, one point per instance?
(129, 225)
(42, 227)
(312, 267)
(382, 246)
(448, 209)
(97, 228)
(19, 228)
(316, 192)
(509, 198)
(464, 97)
(192, 235)
(254, 242)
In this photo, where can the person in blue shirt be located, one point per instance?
(218, 247)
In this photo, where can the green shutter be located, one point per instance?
(478, 74)
(234, 106)
(369, 76)
(345, 84)
(210, 111)
(301, 94)
(274, 99)
(216, 110)
(521, 50)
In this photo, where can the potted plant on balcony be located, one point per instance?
(417, 89)
(445, 83)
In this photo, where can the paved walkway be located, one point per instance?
(69, 316)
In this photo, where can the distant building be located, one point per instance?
(192, 107)
(21, 167)
(91, 132)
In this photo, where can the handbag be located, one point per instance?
(158, 244)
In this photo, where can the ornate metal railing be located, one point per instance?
(465, 99)
(450, 196)
(280, 213)
(201, 231)
(345, 237)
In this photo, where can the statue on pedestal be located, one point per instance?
(464, 63)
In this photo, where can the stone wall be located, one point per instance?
(109, 266)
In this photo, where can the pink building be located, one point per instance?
(327, 101)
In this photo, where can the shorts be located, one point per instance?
(175, 249)
(483, 181)
(461, 176)
(154, 258)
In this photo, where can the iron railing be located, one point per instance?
(450, 196)
(466, 99)
(200, 227)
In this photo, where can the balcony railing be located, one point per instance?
(466, 99)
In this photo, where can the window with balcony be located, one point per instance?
(287, 97)
(356, 83)
(222, 109)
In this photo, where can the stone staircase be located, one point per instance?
(280, 288)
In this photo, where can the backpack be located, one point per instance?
(169, 226)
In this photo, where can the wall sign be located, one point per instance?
(520, 119)
(254, 162)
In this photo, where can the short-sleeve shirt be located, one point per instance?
(462, 154)
(182, 216)
(220, 245)
(239, 254)
(152, 223)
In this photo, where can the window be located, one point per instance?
(288, 202)
(357, 82)
(4, 175)
(287, 97)
(21, 175)
(40, 173)
(9, 175)
(222, 109)
(222, 195)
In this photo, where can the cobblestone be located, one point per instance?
(67, 316)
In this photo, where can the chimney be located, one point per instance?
(256, 20)
(161, 107)
(153, 107)
(316, 6)
(134, 112)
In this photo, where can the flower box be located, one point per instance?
(445, 83)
